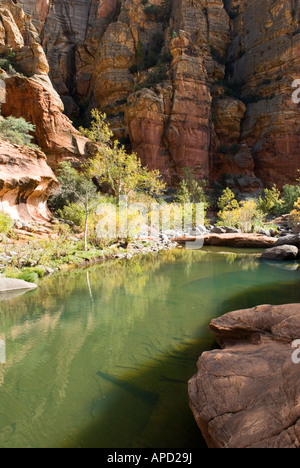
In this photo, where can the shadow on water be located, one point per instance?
(274, 294)
(145, 403)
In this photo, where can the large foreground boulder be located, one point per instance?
(248, 394)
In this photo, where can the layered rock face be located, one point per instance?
(218, 100)
(264, 53)
(29, 93)
(247, 394)
(26, 182)
(70, 32)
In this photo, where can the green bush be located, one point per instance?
(73, 213)
(29, 276)
(6, 223)
(244, 215)
(17, 131)
(8, 62)
(290, 196)
(270, 203)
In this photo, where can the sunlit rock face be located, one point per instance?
(224, 107)
(246, 395)
(30, 93)
(26, 182)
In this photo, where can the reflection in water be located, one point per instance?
(2, 360)
(101, 357)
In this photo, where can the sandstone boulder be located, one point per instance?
(290, 239)
(282, 252)
(239, 240)
(247, 394)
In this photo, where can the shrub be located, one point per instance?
(8, 62)
(295, 214)
(244, 215)
(29, 276)
(191, 190)
(6, 223)
(290, 196)
(227, 201)
(73, 213)
(248, 215)
(17, 131)
(270, 203)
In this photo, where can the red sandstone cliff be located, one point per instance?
(224, 106)
(30, 93)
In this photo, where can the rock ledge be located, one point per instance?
(247, 395)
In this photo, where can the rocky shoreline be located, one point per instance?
(277, 248)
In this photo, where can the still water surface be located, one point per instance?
(101, 357)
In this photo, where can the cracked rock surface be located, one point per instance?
(247, 394)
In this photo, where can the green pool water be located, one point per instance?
(101, 357)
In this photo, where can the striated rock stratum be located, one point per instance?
(223, 104)
(247, 394)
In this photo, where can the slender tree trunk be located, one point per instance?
(86, 229)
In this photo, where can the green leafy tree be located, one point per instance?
(112, 165)
(77, 186)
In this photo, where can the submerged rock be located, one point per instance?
(247, 394)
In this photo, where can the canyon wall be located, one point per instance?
(29, 90)
(26, 179)
(200, 83)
